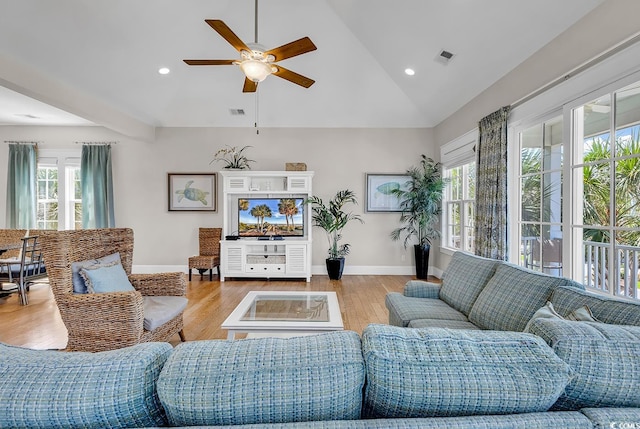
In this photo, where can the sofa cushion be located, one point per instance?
(404, 309)
(605, 358)
(445, 372)
(422, 289)
(158, 310)
(582, 314)
(265, 380)
(511, 297)
(439, 323)
(464, 279)
(558, 420)
(604, 308)
(113, 389)
(545, 312)
(613, 418)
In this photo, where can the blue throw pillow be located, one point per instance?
(106, 278)
(78, 282)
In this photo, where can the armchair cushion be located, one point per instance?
(106, 278)
(158, 310)
(79, 285)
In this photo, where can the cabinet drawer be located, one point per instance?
(265, 268)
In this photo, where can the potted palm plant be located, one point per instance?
(420, 203)
(332, 218)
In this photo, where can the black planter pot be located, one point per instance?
(422, 260)
(335, 267)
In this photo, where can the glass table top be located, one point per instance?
(311, 308)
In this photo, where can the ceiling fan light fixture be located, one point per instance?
(256, 70)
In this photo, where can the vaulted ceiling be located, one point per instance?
(78, 62)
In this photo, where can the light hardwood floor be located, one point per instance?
(361, 299)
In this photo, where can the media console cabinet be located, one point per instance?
(258, 250)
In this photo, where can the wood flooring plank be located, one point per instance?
(361, 298)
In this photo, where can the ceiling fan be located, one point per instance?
(256, 62)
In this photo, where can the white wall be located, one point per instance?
(339, 157)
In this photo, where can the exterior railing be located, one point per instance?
(626, 273)
(627, 266)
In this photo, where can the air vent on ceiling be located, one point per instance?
(444, 57)
(236, 112)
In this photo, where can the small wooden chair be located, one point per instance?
(209, 257)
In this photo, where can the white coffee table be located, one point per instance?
(290, 313)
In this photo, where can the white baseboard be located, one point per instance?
(357, 270)
(155, 269)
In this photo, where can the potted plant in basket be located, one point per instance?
(420, 205)
(332, 218)
(233, 158)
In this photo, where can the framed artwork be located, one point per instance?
(192, 192)
(378, 192)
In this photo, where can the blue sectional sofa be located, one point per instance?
(560, 374)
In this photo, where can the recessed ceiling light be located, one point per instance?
(163, 70)
(409, 72)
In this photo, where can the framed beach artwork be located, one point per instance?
(192, 192)
(379, 191)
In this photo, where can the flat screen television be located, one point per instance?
(265, 217)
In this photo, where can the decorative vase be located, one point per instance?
(421, 252)
(335, 267)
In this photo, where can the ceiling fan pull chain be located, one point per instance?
(255, 124)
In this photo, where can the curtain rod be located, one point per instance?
(21, 142)
(576, 71)
(97, 143)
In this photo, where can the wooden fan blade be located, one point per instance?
(249, 85)
(209, 62)
(293, 77)
(298, 47)
(227, 34)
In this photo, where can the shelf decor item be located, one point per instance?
(420, 206)
(332, 218)
(192, 192)
(233, 158)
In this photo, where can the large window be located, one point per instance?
(59, 193)
(540, 196)
(606, 174)
(459, 207)
(577, 189)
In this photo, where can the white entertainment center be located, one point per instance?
(261, 252)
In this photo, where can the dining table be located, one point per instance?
(9, 246)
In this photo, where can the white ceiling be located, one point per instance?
(107, 54)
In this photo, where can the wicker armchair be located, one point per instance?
(106, 321)
(209, 257)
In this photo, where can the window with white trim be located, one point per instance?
(460, 198)
(58, 189)
(539, 185)
(458, 206)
